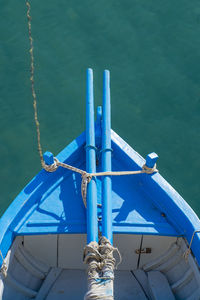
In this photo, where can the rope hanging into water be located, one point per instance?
(56, 164)
(86, 177)
(99, 257)
(37, 124)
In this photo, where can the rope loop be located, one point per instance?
(107, 250)
(57, 163)
(91, 252)
(51, 168)
(87, 177)
(148, 170)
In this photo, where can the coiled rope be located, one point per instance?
(101, 265)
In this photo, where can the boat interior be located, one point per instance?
(51, 267)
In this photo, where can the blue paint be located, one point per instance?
(137, 201)
(98, 130)
(99, 115)
(24, 206)
(177, 211)
(106, 160)
(51, 203)
(48, 158)
(92, 224)
(151, 159)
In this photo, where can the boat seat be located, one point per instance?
(142, 279)
(159, 286)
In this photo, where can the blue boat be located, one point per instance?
(98, 193)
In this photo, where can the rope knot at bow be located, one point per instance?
(53, 167)
(149, 170)
(87, 177)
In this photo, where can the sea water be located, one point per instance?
(152, 49)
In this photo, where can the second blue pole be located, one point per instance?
(106, 160)
(92, 223)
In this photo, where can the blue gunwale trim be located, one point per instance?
(27, 198)
(178, 212)
(149, 228)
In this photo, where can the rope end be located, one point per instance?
(49, 162)
(148, 170)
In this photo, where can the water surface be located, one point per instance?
(152, 49)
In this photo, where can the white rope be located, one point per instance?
(57, 163)
(85, 180)
(86, 177)
(188, 251)
(99, 257)
(4, 267)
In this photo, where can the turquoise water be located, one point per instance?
(152, 49)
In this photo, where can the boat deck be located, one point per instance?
(133, 208)
(72, 284)
(165, 275)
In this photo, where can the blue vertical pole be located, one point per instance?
(92, 225)
(106, 160)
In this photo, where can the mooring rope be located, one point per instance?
(37, 124)
(56, 164)
(99, 257)
(86, 177)
(53, 167)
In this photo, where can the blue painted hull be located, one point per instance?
(141, 204)
(149, 221)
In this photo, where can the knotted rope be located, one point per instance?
(86, 177)
(53, 167)
(4, 267)
(101, 264)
